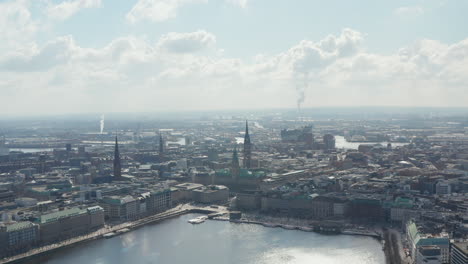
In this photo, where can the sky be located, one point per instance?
(103, 56)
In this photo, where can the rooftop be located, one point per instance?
(51, 217)
(188, 186)
(462, 246)
(18, 226)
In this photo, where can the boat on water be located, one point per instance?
(123, 230)
(109, 235)
(198, 220)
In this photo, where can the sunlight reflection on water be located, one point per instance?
(213, 242)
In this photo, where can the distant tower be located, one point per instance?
(235, 168)
(3, 148)
(247, 148)
(161, 145)
(117, 165)
(137, 133)
(329, 141)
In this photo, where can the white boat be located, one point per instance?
(109, 235)
(198, 220)
(123, 230)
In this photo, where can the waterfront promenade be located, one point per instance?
(391, 249)
(302, 227)
(173, 212)
(175, 241)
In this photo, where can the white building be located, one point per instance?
(417, 240)
(120, 208)
(429, 255)
(443, 188)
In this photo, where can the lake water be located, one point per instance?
(32, 150)
(341, 142)
(239, 140)
(214, 242)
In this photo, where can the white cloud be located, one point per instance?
(68, 8)
(17, 27)
(187, 42)
(409, 11)
(56, 52)
(416, 75)
(240, 3)
(132, 74)
(157, 10)
(309, 55)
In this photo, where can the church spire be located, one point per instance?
(235, 168)
(247, 148)
(117, 165)
(161, 144)
(247, 136)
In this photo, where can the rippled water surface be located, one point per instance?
(176, 241)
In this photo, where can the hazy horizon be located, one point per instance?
(361, 112)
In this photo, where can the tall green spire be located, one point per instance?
(117, 164)
(161, 144)
(247, 148)
(235, 168)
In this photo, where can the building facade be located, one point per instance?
(429, 255)
(211, 194)
(417, 240)
(68, 223)
(159, 201)
(18, 237)
(459, 253)
(120, 209)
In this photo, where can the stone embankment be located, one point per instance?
(118, 229)
(304, 228)
(391, 246)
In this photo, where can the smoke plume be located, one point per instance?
(102, 124)
(302, 82)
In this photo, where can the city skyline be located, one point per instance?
(234, 131)
(86, 56)
(397, 180)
